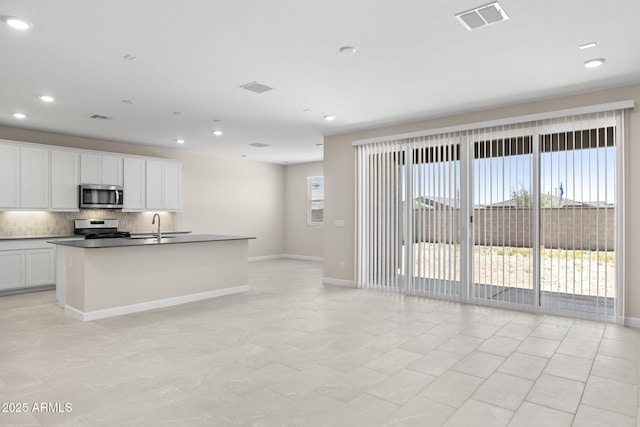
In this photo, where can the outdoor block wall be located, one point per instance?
(580, 228)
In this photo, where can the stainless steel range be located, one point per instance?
(99, 229)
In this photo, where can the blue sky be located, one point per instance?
(586, 176)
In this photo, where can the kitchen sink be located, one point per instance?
(153, 240)
(150, 237)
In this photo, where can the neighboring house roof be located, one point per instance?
(434, 202)
(546, 201)
(598, 204)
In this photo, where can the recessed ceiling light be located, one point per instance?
(130, 57)
(180, 141)
(319, 145)
(19, 116)
(128, 101)
(587, 46)
(329, 117)
(47, 98)
(593, 63)
(347, 50)
(17, 23)
(217, 132)
(177, 113)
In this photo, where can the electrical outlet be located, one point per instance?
(341, 265)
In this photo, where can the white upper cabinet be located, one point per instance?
(64, 180)
(134, 183)
(100, 169)
(172, 186)
(154, 185)
(24, 177)
(34, 178)
(164, 185)
(9, 176)
(43, 177)
(90, 166)
(111, 170)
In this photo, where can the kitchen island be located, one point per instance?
(110, 277)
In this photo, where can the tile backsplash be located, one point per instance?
(27, 223)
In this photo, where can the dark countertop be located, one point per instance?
(36, 237)
(152, 241)
(80, 237)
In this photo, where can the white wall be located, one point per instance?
(300, 239)
(339, 172)
(221, 195)
(234, 196)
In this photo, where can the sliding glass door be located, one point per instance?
(519, 216)
(503, 219)
(577, 220)
(434, 218)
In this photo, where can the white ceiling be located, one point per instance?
(414, 60)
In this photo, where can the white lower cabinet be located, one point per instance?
(40, 267)
(12, 269)
(25, 263)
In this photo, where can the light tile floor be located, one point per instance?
(293, 352)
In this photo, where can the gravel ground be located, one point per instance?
(574, 272)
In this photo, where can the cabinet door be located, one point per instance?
(40, 267)
(134, 184)
(172, 186)
(64, 180)
(111, 170)
(34, 178)
(154, 185)
(90, 169)
(11, 269)
(9, 176)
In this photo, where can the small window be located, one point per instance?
(315, 200)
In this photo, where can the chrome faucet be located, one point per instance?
(154, 221)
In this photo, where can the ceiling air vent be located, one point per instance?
(101, 117)
(482, 16)
(256, 87)
(259, 145)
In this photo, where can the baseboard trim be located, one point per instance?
(632, 322)
(285, 256)
(144, 306)
(339, 282)
(303, 257)
(265, 257)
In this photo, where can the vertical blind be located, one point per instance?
(523, 215)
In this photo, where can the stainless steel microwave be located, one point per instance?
(93, 196)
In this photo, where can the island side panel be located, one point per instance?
(75, 278)
(116, 277)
